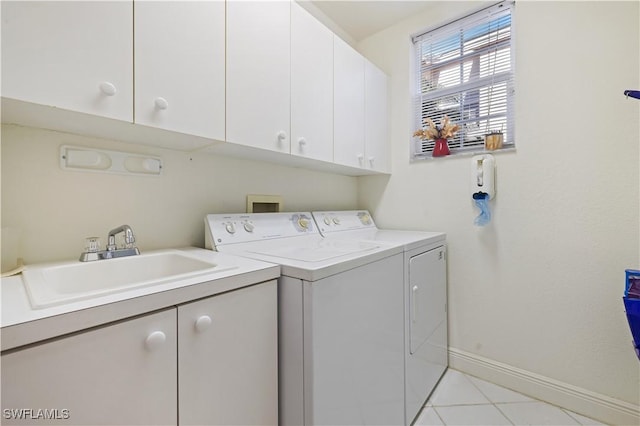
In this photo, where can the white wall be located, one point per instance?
(540, 288)
(56, 209)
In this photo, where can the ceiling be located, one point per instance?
(361, 19)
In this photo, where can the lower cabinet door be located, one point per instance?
(119, 374)
(227, 358)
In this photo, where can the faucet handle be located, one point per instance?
(111, 244)
(92, 244)
(129, 238)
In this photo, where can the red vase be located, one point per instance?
(441, 148)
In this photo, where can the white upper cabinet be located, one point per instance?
(348, 105)
(179, 66)
(73, 55)
(375, 119)
(259, 74)
(311, 86)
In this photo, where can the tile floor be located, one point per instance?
(460, 399)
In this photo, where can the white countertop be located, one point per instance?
(21, 324)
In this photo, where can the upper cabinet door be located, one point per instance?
(258, 74)
(73, 55)
(311, 86)
(375, 108)
(348, 105)
(179, 66)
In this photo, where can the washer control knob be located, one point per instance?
(336, 220)
(327, 221)
(303, 222)
(249, 227)
(230, 228)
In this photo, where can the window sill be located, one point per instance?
(464, 153)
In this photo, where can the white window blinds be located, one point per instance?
(465, 71)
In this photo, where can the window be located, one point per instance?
(464, 70)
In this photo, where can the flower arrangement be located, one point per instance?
(445, 130)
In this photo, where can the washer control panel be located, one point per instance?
(335, 221)
(242, 228)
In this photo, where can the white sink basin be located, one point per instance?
(55, 284)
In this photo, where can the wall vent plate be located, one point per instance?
(264, 203)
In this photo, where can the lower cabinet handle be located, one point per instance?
(203, 323)
(108, 88)
(155, 340)
(161, 103)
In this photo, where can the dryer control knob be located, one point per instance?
(249, 227)
(327, 221)
(230, 228)
(336, 220)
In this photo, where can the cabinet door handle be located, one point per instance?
(108, 89)
(371, 160)
(202, 323)
(282, 135)
(302, 141)
(360, 157)
(155, 340)
(161, 103)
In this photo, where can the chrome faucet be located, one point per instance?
(112, 251)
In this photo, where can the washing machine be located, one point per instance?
(340, 306)
(425, 296)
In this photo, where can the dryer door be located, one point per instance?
(427, 296)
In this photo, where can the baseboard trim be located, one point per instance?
(582, 401)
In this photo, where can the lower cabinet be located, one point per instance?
(124, 373)
(212, 361)
(228, 358)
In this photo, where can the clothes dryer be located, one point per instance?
(425, 296)
(341, 357)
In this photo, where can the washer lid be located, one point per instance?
(320, 251)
